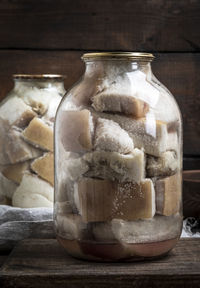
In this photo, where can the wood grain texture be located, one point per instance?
(191, 163)
(191, 195)
(180, 72)
(46, 263)
(3, 259)
(156, 25)
(39, 62)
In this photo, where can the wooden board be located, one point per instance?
(3, 259)
(39, 62)
(180, 72)
(191, 163)
(191, 195)
(106, 25)
(42, 263)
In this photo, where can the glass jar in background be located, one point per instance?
(118, 162)
(26, 140)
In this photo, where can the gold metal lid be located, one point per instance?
(39, 76)
(119, 55)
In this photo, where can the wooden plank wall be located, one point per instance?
(48, 36)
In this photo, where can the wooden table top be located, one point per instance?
(43, 263)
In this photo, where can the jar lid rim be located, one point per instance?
(38, 76)
(119, 55)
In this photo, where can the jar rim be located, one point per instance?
(119, 55)
(39, 76)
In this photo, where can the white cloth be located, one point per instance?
(17, 224)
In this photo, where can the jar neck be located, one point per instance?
(115, 67)
(39, 84)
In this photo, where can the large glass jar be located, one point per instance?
(118, 162)
(26, 140)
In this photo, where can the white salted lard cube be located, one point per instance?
(4, 200)
(166, 110)
(142, 88)
(160, 101)
(4, 128)
(116, 166)
(146, 133)
(165, 165)
(104, 200)
(109, 136)
(113, 100)
(44, 167)
(114, 78)
(70, 226)
(65, 194)
(102, 231)
(52, 108)
(159, 228)
(39, 134)
(37, 98)
(14, 172)
(33, 192)
(7, 187)
(71, 168)
(63, 207)
(168, 194)
(16, 112)
(74, 166)
(77, 130)
(172, 141)
(17, 149)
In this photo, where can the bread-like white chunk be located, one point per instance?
(15, 172)
(39, 134)
(113, 100)
(168, 195)
(16, 112)
(116, 166)
(33, 192)
(70, 226)
(109, 136)
(165, 165)
(44, 167)
(17, 149)
(146, 133)
(157, 229)
(78, 129)
(104, 200)
(7, 187)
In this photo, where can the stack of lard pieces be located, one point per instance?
(26, 148)
(123, 163)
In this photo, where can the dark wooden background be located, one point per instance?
(48, 36)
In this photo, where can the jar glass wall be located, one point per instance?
(27, 117)
(118, 162)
